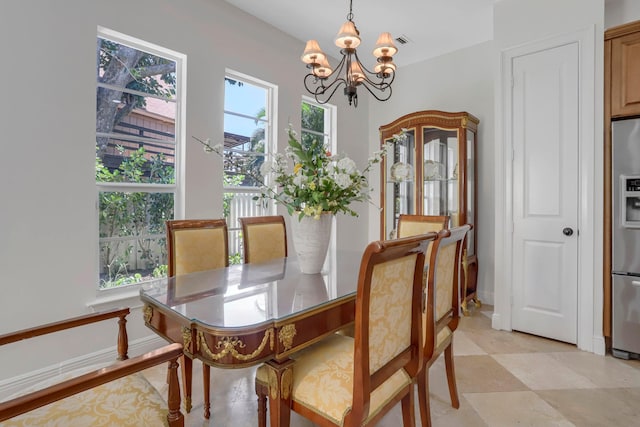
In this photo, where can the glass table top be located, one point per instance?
(251, 294)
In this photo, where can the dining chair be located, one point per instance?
(345, 381)
(411, 225)
(196, 245)
(441, 313)
(265, 238)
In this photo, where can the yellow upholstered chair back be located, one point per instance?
(355, 381)
(443, 288)
(196, 245)
(412, 225)
(442, 312)
(390, 303)
(265, 238)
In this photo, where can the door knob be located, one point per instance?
(567, 231)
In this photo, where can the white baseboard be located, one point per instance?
(485, 297)
(11, 386)
(496, 321)
(599, 345)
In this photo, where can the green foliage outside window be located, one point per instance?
(127, 220)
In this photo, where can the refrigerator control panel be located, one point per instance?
(630, 198)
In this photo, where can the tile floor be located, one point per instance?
(504, 379)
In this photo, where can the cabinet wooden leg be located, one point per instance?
(465, 310)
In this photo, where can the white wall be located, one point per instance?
(48, 231)
(618, 12)
(458, 81)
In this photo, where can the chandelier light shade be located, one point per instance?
(322, 81)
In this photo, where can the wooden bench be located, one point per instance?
(117, 387)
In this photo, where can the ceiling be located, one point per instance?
(432, 27)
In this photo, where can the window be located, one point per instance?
(316, 123)
(248, 138)
(137, 119)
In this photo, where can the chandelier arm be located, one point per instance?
(317, 87)
(321, 88)
(336, 84)
(381, 85)
(338, 70)
(368, 72)
(384, 90)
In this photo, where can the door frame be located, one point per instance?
(589, 310)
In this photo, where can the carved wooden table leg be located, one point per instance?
(280, 382)
(206, 379)
(187, 372)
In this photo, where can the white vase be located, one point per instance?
(311, 240)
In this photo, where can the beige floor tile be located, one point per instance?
(481, 374)
(463, 345)
(494, 341)
(439, 388)
(474, 322)
(446, 416)
(596, 407)
(602, 371)
(533, 343)
(634, 363)
(521, 408)
(539, 371)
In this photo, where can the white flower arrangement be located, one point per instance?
(309, 180)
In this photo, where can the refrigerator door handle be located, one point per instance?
(635, 283)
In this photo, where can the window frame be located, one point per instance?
(107, 297)
(270, 147)
(330, 134)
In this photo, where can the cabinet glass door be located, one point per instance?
(440, 173)
(399, 180)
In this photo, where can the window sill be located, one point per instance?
(114, 298)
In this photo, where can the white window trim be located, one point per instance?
(129, 295)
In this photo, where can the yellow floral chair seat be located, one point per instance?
(129, 401)
(323, 380)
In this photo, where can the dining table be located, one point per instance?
(246, 314)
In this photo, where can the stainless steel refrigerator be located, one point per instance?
(626, 238)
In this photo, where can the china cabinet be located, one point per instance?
(430, 169)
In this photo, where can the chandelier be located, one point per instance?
(322, 82)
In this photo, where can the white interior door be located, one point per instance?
(545, 133)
